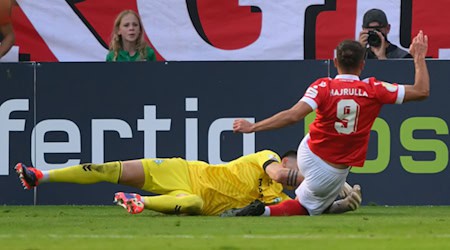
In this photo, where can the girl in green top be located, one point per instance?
(127, 42)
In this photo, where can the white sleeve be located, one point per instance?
(309, 101)
(400, 94)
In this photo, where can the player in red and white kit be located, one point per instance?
(346, 108)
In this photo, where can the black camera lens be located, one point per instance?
(373, 39)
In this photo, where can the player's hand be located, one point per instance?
(242, 126)
(419, 46)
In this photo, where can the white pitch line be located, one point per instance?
(244, 236)
(343, 236)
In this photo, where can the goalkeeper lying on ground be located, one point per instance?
(193, 187)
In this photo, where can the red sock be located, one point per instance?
(286, 208)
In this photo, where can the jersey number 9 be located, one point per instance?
(347, 112)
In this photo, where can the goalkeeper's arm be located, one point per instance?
(289, 178)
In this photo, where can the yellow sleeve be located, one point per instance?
(265, 157)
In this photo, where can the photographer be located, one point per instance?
(374, 37)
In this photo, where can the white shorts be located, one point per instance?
(322, 182)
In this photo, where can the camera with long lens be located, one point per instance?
(373, 39)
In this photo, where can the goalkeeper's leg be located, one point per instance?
(174, 204)
(181, 203)
(129, 173)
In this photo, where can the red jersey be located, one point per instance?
(346, 108)
(5, 12)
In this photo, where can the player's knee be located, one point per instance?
(193, 204)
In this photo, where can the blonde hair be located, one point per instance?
(116, 41)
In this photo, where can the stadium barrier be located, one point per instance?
(59, 114)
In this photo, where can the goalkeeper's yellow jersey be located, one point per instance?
(235, 184)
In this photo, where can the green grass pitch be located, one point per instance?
(110, 227)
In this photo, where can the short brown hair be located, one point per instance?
(350, 54)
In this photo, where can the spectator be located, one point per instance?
(374, 37)
(7, 36)
(127, 43)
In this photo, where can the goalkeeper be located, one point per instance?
(192, 187)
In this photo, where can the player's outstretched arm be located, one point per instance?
(421, 88)
(279, 120)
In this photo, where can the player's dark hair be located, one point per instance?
(350, 54)
(290, 153)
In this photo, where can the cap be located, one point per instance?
(375, 15)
